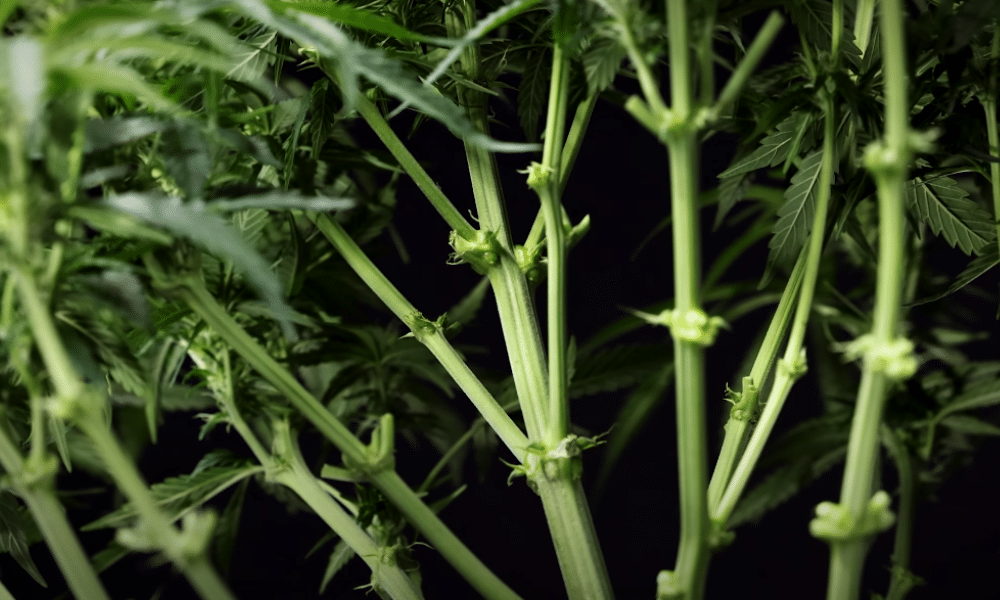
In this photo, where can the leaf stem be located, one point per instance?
(990, 107)
(755, 53)
(902, 580)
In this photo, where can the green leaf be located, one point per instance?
(279, 200)
(339, 557)
(246, 144)
(731, 190)
(324, 105)
(13, 539)
(254, 58)
(465, 311)
(814, 18)
(227, 528)
(100, 134)
(533, 91)
(616, 368)
(358, 18)
(774, 149)
(989, 258)
(946, 208)
(970, 425)
(186, 158)
(634, 414)
(215, 235)
(24, 77)
(177, 496)
(601, 61)
(980, 396)
(795, 216)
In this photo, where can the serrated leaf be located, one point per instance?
(782, 484)
(12, 537)
(178, 496)
(351, 59)
(815, 19)
(980, 396)
(989, 258)
(634, 413)
(227, 528)
(253, 57)
(731, 190)
(533, 91)
(616, 368)
(253, 146)
(795, 216)
(324, 107)
(339, 557)
(946, 208)
(601, 61)
(774, 149)
(215, 235)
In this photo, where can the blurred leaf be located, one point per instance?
(465, 311)
(12, 537)
(101, 134)
(989, 258)
(970, 425)
(339, 557)
(634, 414)
(186, 158)
(601, 61)
(358, 18)
(227, 528)
(534, 90)
(215, 235)
(280, 200)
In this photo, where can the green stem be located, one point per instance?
(574, 140)
(50, 516)
(902, 581)
(555, 236)
(691, 567)
(371, 114)
(759, 372)
(794, 354)
(297, 477)
(389, 483)
(436, 342)
(518, 318)
(755, 53)
(889, 166)
(441, 538)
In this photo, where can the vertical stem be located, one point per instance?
(692, 554)
(889, 165)
(557, 424)
(902, 581)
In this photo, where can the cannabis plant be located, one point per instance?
(248, 292)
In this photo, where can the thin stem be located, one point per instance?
(691, 567)
(389, 483)
(902, 580)
(555, 236)
(518, 318)
(794, 349)
(371, 114)
(759, 372)
(574, 140)
(436, 342)
(755, 53)
(50, 516)
(990, 107)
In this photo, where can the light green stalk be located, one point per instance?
(886, 357)
(388, 482)
(793, 364)
(36, 486)
(741, 414)
(85, 408)
(902, 580)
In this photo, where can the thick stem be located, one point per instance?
(889, 166)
